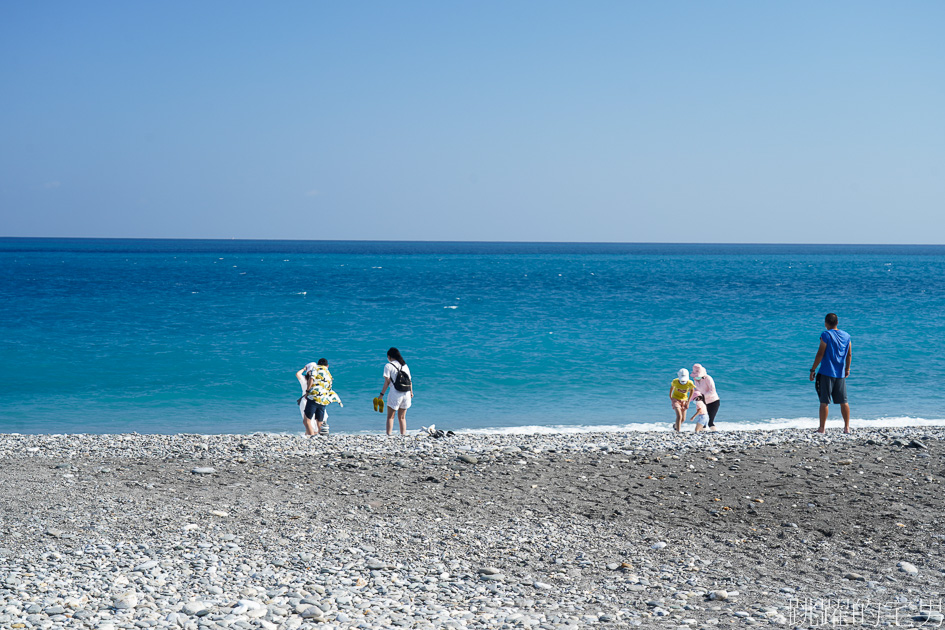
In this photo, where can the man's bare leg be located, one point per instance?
(845, 412)
(823, 418)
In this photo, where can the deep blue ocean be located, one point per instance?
(190, 336)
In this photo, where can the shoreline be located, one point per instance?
(771, 425)
(569, 438)
(474, 531)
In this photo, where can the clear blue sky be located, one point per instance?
(512, 120)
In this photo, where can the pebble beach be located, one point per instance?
(557, 531)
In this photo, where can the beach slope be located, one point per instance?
(473, 531)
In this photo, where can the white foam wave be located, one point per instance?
(832, 423)
(772, 424)
(556, 429)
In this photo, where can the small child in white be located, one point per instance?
(701, 416)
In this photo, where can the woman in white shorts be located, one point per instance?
(401, 389)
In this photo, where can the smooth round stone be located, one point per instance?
(203, 470)
(193, 608)
(125, 601)
(908, 567)
(146, 566)
(314, 613)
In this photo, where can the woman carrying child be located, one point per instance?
(316, 382)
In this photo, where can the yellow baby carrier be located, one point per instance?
(319, 388)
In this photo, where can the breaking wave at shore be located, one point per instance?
(775, 424)
(761, 425)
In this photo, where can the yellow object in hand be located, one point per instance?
(379, 404)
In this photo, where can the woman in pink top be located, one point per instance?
(706, 386)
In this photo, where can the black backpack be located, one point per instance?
(401, 380)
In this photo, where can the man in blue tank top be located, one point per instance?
(834, 356)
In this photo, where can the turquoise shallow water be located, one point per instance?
(206, 336)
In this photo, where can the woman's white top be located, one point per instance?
(396, 399)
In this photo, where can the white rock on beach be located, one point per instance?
(192, 608)
(125, 601)
(146, 566)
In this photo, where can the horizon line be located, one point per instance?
(470, 242)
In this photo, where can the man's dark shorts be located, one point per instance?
(828, 386)
(314, 410)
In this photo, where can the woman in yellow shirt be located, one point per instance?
(679, 392)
